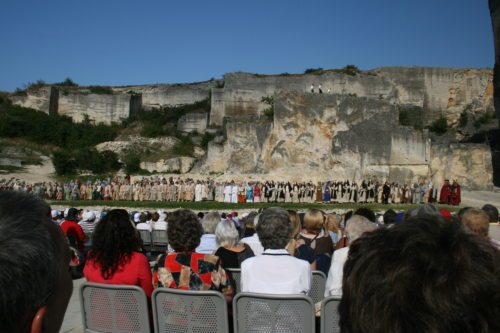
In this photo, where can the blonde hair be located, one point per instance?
(296, 226)
(476, 221)
(314, 220)
(332, 222)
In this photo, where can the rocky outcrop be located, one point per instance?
(438, 91)
(138, 145)
(318, 137)
(172, 165)
(193, 122)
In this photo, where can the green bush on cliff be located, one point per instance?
(68, 162)
(439, 126)
(100, 90)
(411, 116)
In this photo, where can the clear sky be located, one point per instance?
(123, 42)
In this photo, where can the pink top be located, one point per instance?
(135, 272)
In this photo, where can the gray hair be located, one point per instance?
(226, 234)
(209, 222)
(274, 228)
(357, 225)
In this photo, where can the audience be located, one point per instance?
(356, 226)
(253, 241)
(231, 252)
(296, 247)
(424, 275)
(34, 260)
(72, 230)
(477, 222)
(492, 212)
(114, 256)
(184, 268)
(275, 271)
(207, 242)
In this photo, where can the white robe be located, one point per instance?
(234, 194)
(227, 193)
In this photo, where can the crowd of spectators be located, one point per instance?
(417, 270)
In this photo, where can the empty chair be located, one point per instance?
(236, 273)
(317, 292)
(160, 240)
(189, 311)
(113, 308)
(269, 313)
(147, 241)
(330, 315)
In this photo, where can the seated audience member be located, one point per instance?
(54, 214)
(161, 223)
(254, 241)
(231, 252)
(275, 271)
(317, 237)
(296, 247)
(477, 222)
(389, 218)
(72, 230)
(184, 268)
(88, 225)
(356, 226)
(492, 212)
(422, 276)
(248, 226)
(34, 261)
(366, 212)
(333, 227)
(144, 224)
(207, 242)
(114, 256)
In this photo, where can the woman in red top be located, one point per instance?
(113, 258)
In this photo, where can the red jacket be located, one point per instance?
(74, 232)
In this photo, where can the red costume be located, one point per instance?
(455, 194)
(445, 195)
(74, 232)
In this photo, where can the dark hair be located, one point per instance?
(428, 276)
(29, 259)
(72, 214)
(492, 212)
(113, 242)
(184, 230)
(389, 216)
(274, 228)
(366, 212)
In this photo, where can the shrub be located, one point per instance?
(313, 70)
(350, 70)
(463, 120)
(439, 126)
(68, 82)
(100, 90)
(184, 147)
(411, 116)
(269, 112)
(132, 164)
(207, 137)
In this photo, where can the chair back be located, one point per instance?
(113, 308)
(269, 313)
(147, 241)
(330, 315)
(236, 273)
(189, 311)
(160, 240)
(317, 292)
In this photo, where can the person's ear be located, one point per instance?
(37, 323)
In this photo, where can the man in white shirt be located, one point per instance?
(275, 271)
(254, 241)
(208, 244)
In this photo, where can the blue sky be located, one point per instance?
(123, 42)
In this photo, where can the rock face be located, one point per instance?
(437, 90)
(138, 145)
(172, 165)
(318, 137)
(193, 122)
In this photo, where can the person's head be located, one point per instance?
(34, 260)
(366, 212)
(332, 222)
(226, 234)
(389, 217)
(274, 228)
(314, 220)
(89, 216)
(155, 217)
(421, 276)
(72, 214)
(296, 225)
(492, 212)
(113, 242)
(184, 230)
(356, 226)
(476, 221)
(209, 222)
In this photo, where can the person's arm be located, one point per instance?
(144, 275)
(334, 281)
